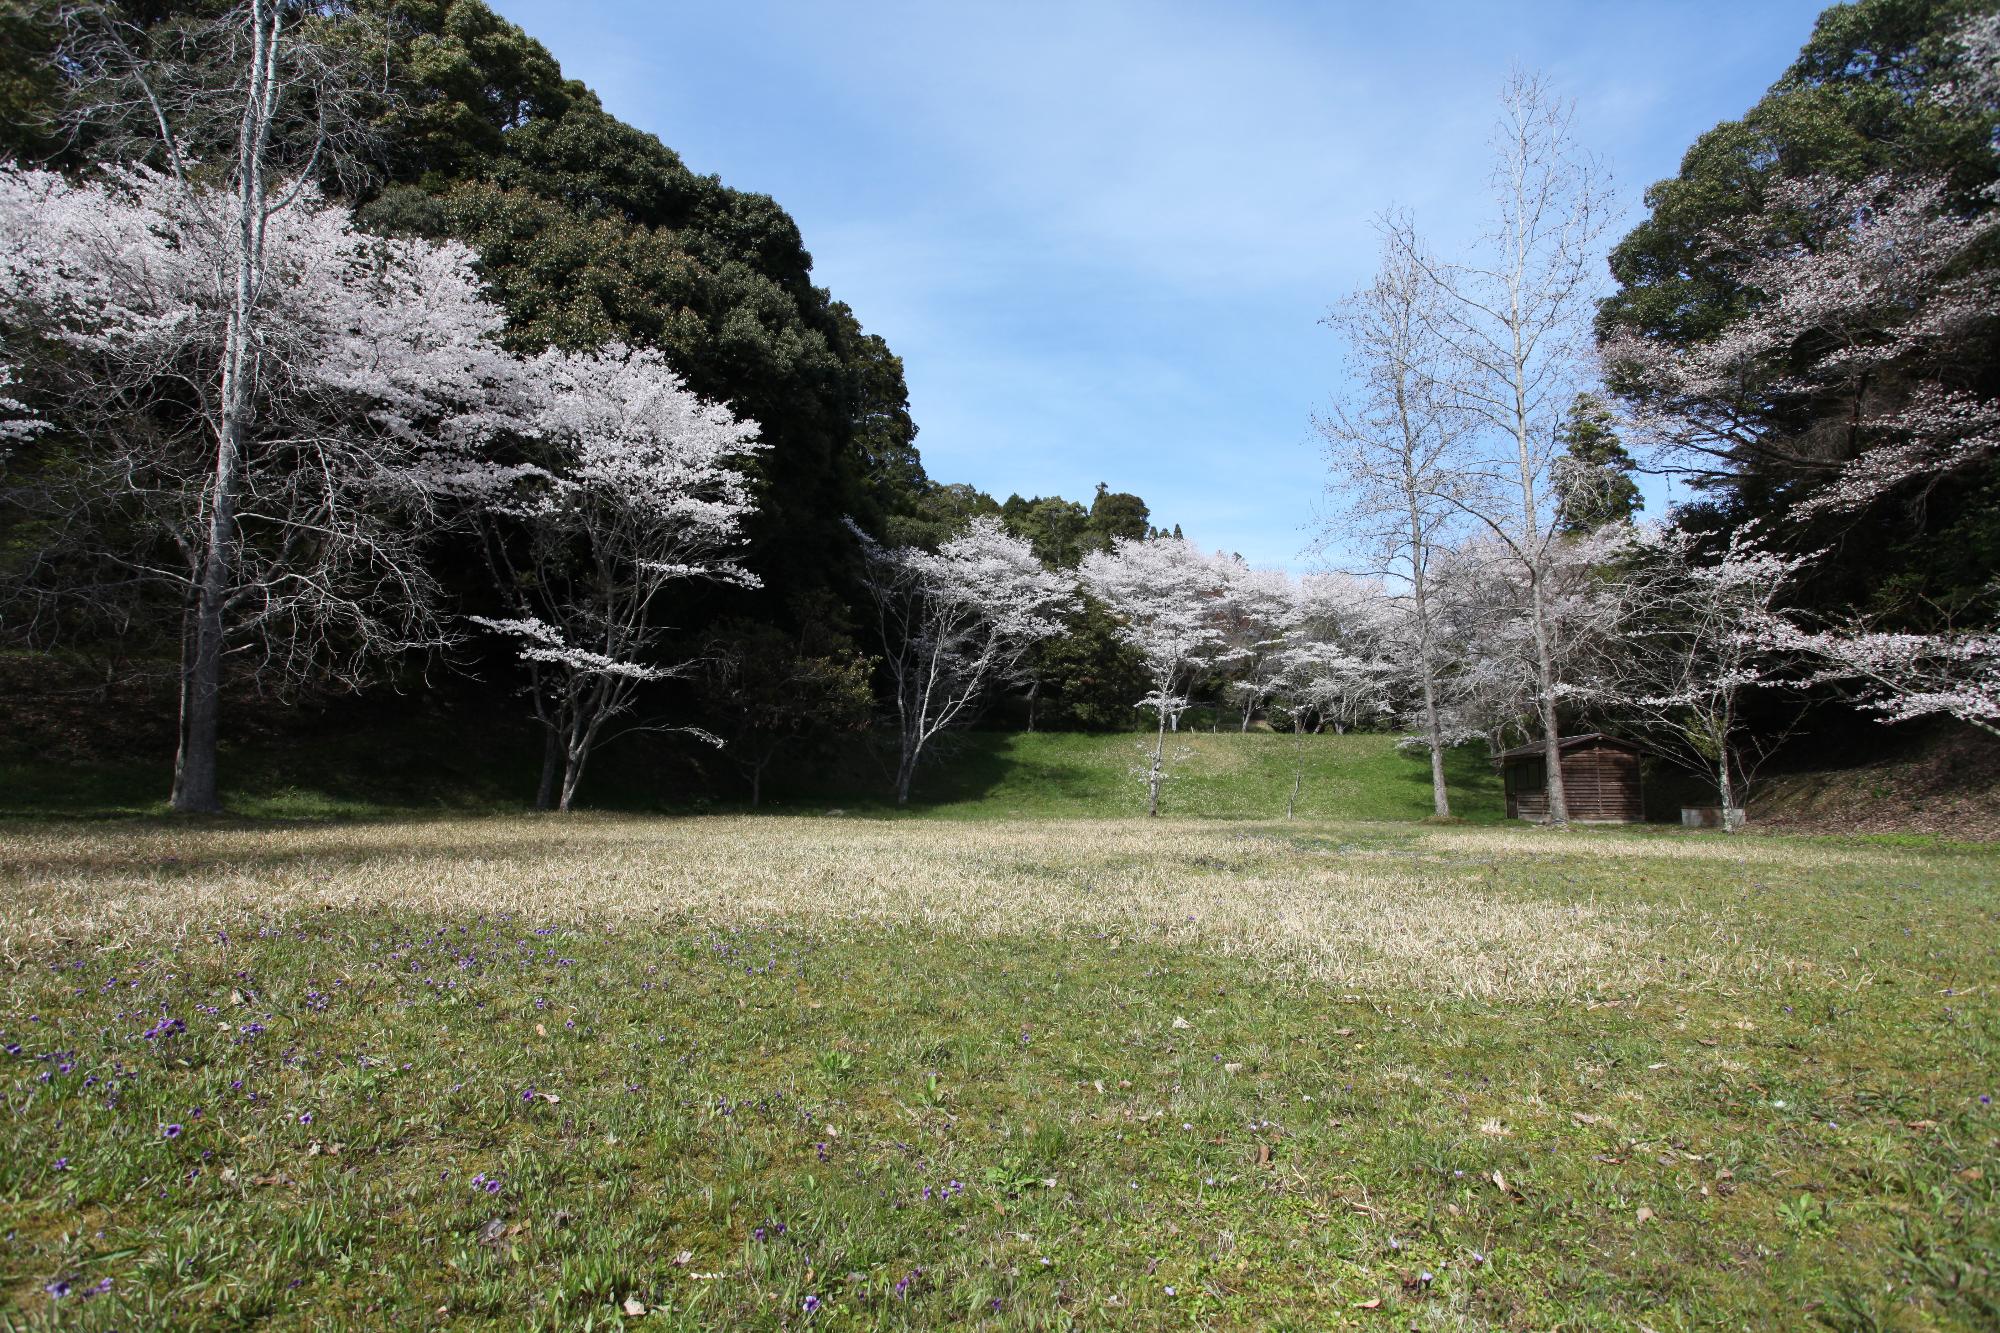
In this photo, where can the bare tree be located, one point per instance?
(1391, 449)
(955, 624)
(1516, 322)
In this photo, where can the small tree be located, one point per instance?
(635, 490)
(1169, 601)
(1702, 631)
(1488, 601)
(773, 691)
(956, 624)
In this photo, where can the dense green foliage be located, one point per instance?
(1594, 483)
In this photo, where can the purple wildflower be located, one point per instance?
(171, 1132)
(812, 1305)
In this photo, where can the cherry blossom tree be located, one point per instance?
(1702, 629)
(955, 624)
(1170, 601)
(1862, 296)
(17, 420)
(1861, 300)
(1487, 598)
(277, 435)
(1901, 676)
(1515, 322)
(219, 301)
(1256, 607)
(1391, 452)
(636, 489)
(1328, 668)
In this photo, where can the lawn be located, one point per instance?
(793, 1072)
(427, 766)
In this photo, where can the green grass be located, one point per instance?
(1008, 1075)
(428, 766)
(1068, 775)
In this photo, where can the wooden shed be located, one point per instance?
(1600, 780)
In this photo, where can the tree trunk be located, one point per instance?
(906, 771)
(545, 792)
(1726, 789)
(1153, 776)
(1433, 730)
(195, 778)
(576, 753)
(1298, 763)
(756, 786)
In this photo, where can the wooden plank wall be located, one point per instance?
(1601, 782)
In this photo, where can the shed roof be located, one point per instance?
(1534, 748)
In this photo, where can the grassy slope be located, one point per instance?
(428, 767)
(1123, 1075)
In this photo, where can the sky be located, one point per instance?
(1102, 235)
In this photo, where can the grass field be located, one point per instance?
(796, 1072)
(428, 768)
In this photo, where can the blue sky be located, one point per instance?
(1101, 235)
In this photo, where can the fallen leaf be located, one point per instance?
(1375, 1304)
(541, 1031)
(548, 1096)
(1263, 1154)
(1583, 1119)
(1645, 1215)
(1500, 1182)
(1494, 1129)
(684, 1258)
(634, 1306)
(1972, 1173)
(1233, 1067)
(1180, 1022)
